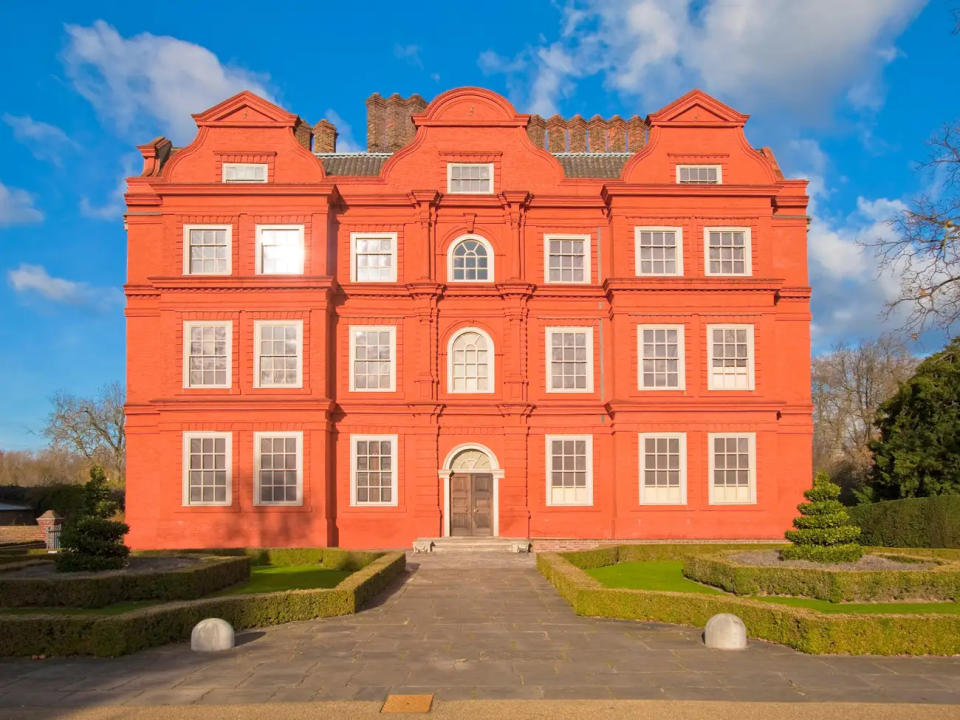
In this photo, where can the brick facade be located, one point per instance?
(406, 201)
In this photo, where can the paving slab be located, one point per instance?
(473, 627)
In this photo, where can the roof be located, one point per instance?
(8, 507)
(575, 165)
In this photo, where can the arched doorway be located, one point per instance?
(471, 475)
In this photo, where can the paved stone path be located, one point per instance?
(478, 626)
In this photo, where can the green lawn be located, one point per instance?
(667, 575)
(276, 578)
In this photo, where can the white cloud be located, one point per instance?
(345, 139)
(16, 207)
(758, 53)
(408, 53)
(113, 208)
(45, 141)
(35, 280)
(149, 82)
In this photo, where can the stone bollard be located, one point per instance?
(725, 632)
(212, 634)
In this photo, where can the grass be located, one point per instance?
(263, 579)
(277, 578)
(667, 575)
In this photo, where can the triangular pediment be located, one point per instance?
(698, 108)
(246, 109)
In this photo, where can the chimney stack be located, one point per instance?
(324, 137)
(578, 134)
(389, 121)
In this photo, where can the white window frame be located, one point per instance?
(392, 329)
(718, 168)
(681, 357)
(751, 356)
(394, 439)
(587, 267)
(752, 449)
(259, 247)
(354, 236)
(548, 462)
(491, 364)
(228, 166)
(187, 326)
(645, 494)
(186, 248)
(257, 436)
(658, 228)
(185, 463)
(452, 165)
(257, 331)
(548, 342)
(747, 251)
(491, 276)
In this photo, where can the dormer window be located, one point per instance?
(699, 175)
(470, 178)
(244, 172)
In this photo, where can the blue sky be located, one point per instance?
(846, 93)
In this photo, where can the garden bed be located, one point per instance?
(121, 629)
(787, 621)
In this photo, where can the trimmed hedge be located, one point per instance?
(109, 636)
(96, 591)
(806, 630)
(329, 558)
(932, 522)
(937, 583)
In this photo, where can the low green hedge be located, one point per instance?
(936, 583)
(931, 522)
(806, 630)
(329, 558)
(95, 591)
(109, 636)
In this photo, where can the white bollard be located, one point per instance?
(212, 634)
(725, 632)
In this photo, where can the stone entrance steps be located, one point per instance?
(471, 544)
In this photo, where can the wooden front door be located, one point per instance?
(471, 504)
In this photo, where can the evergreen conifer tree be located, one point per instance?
(824, 531)
(92, 541)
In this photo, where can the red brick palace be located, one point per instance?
(487, 324)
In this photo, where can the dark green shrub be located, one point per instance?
(824, 532)
(932, 522)
(95, 591)
(92, 542)
(109, 636)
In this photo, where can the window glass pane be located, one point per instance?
(730, 361)
(566, 260)
(569, 363)
(657, 252)
(732, 471)
(470, 178)
(568, 465)
(278, 352)
(374, 259)
(281, 251)
(698, 174)
(278, 475)
(470, 261)
(727, 252)
(207, 477)
(373, 483)
(207, 352)
(372, 359)
(470, 363)
(207, 251)
(660, 354)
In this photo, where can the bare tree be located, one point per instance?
(848, 385)
(92, 427)
(49, 466)
(924, 250)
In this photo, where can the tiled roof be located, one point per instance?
(575, 165)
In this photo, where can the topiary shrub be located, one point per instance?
(824, 532)
(93, 542)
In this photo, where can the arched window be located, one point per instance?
(470, 362)
(470, 259)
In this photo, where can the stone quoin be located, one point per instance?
(488, 324)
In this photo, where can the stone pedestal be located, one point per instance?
(725, 632)
(211, 635)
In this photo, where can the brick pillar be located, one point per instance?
(537, 130)
(578, 134)
(636, 133)
(616, 135)
(46, 521)
(376, 123)
(324, 137)
(303, 133)
(597, 127)
(557, 134)
(413, 105)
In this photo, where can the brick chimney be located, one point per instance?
(389, 121)
(578, 134)
(324, 137)
(537, 130)
(597, 128)
(557, 134)
(302, 132)
(616, 135)
(636, 133)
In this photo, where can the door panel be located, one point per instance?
(471, 504)
(461, 517)
(482, 501)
